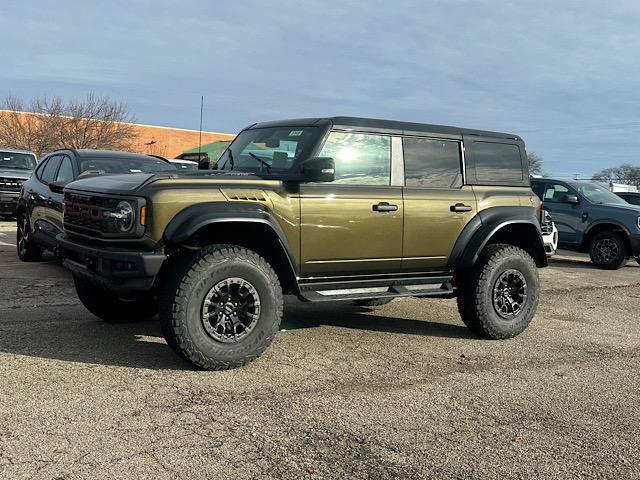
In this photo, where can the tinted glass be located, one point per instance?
(361, 159)
(497, 162)
(65, 174)
(431, 163)
(634, 200)
(269, 150)
(555, 193)
(538, 189)
(115, 165)
(18, 161)
(49, 170)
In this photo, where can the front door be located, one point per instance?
(567, 216)
(352, 225)
(436, 204)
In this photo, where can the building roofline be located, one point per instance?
(128, 123)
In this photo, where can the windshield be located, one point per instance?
(18, 161)
(185, 165)
(272, 150)
(114, 165)
(597, 193)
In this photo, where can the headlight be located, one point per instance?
(124, 216)
(638, 223)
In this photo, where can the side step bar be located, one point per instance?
(384, 288)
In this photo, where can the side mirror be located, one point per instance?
(204, 164)
(319, 169)
(57, 187)
(572, 199)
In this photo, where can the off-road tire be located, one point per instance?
(27, 249)
(183, 297)
(617, 240)
(476, 290)
(373, 302)
(109, 307)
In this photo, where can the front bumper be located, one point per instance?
(120, 270)
(8, 202)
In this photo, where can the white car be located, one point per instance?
(549, 234)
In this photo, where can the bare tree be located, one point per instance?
(93, 122)
(625, 173)
(535, 164)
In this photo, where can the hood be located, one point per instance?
(622, 207)
(15, 173)
(125, 184)
(131, 183)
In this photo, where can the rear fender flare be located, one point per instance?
(479, 231)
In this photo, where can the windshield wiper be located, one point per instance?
(262, 162)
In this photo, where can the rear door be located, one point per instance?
(65, 174)
(42, 219)
(437, 203)
(352, 225)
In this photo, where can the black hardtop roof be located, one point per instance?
(94, 153)
(388, 126)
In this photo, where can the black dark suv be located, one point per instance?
(39, 209)
(591, 219)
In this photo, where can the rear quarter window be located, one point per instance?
(498, 163)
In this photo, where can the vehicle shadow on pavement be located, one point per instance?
(299, 315)
(88, 340)
(579, 263)
(74, 335)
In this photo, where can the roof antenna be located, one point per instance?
(200, 134)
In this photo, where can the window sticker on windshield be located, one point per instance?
(295, 133)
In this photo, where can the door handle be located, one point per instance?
(385, 207)
(460, 207)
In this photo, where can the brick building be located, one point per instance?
(165, 141)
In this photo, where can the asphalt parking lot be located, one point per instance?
(401, 392)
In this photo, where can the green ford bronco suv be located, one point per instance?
(326, 209)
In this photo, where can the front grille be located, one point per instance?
(10, 184)
(85, 214)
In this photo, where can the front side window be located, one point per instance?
(431, 163)
(65, 173)
(633, 200)
(555, 193)
(271, 150)
(17, 161)
(50, 169)
(497, 162)
(361, 159)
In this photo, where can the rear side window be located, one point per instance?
(361, 159)
(430, 163)
(50, 169)
(497, 162)
(538, 189)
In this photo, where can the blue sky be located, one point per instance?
(563, 75)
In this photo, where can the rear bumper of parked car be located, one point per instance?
(118, 269)
(8, 202)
